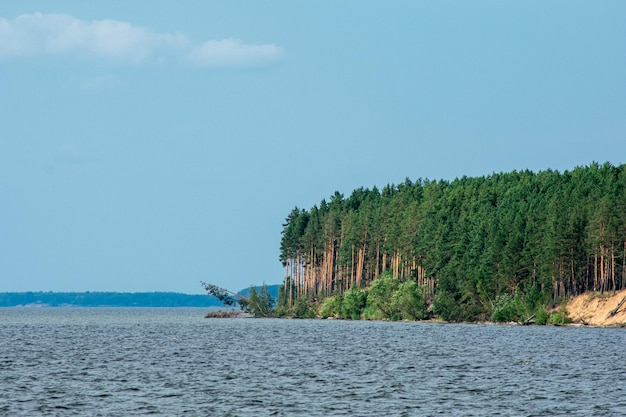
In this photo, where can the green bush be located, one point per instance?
(372, 313)
(260, 304)
(504, 309)
(560, 316)
(302, 309)
(331, 307)
(542, 316)
(525, 306)
(407, 302)
(283, 308)
(354, 301)
(447, 306)
(529, 301)
(381, 294)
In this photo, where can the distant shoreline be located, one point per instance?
(106, 299)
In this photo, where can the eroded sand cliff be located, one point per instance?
(599, 310)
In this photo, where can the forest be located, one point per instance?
(500, 247)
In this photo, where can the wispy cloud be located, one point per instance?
(233, 53)
(60, 34)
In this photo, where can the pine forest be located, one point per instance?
(506, 244)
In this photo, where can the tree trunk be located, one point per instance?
(623, 283)
(353, 279)
(378, 260)
(596, 285)
(359, 266)
(613, 267)
(290, 282)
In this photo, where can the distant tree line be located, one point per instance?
(107, 299)
(475, 247)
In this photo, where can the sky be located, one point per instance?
(150, 146)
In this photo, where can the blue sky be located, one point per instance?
(149, 146)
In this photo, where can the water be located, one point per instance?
(173, 362)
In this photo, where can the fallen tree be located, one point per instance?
(616, 309)
(259, 304)
(228, 298)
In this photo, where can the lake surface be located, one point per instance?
(174, 362)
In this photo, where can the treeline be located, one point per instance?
(106, 299)
(468, 244)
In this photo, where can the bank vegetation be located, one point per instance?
(504, 247)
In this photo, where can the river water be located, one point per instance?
(174, 362)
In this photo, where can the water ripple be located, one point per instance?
(110, 362)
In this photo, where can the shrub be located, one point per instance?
(447, 306)
(331, 307)
(302, 309)
(260, 304)
(529, 301)
(542, 316)
(381, 293)
(408, 302)
(354, 301)
(560, 316)
(504, 309)
(372, 313)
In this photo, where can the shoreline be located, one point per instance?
(606, 310)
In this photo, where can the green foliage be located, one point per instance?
(260, 304)
(244, 304)
(505, 309)
(380, 294)
(353, 304)
(303, 309)
(560, 316)
(331, 307)
(372, 313)
(225, 296)
(388, 298)
(530, 303)
(408, 302)
(282, 304)
(542, 316)
(539, 237)
(446, 306)
(525, 306)
(557, 319)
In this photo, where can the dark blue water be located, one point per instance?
(174, 362)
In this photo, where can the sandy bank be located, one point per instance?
(596, 310)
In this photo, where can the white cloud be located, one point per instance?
(233, 53)
(59, 34)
